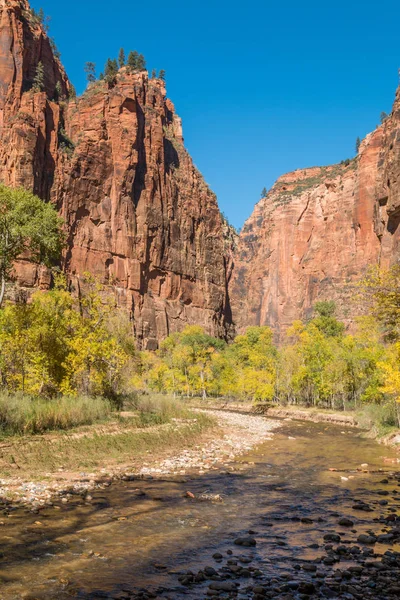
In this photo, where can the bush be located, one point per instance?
(383, 417)
(21, 414)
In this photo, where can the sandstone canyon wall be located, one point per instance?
(138, 214)
(316, 232)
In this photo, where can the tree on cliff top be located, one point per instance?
(161, 75)
(141, 63)
(90, 70)
(110, 71)
(264, 192)
(133, 60)
(27, 226)
(358, 144)
(384, 116)
(121, 58)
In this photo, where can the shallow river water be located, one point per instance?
(139, 539)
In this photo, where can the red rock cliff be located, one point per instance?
(138, 213)
(317, 231)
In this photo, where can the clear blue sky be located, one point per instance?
(263, 87)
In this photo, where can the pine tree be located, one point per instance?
(358, 144)
(141, 63)
(121, 58)
(110, 71)
(90, 70)
(72, 91)
(38, 82)
(153, 74)
(264, 192)
(384, 116)
(133, 61)
(41, 16)
(161, 75)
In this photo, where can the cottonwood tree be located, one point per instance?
(27, 226)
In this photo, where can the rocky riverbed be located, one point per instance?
(311, 512)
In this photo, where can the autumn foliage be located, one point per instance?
(61, 345)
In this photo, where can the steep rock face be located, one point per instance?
(315, 234)
(388, 188)
(138, 214)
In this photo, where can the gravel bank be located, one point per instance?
(242, 433)
(236, 434)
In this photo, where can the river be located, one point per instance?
(148, 538)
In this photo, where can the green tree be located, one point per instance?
(38, 82)
(141, 63)
(58, 93)
(132, 61)
(90, 70)
(161, 75)
(358, 144)
(325, 320)
(111, 71)
(27, 225)
(264, 192)
(153, 74)
(121, 58)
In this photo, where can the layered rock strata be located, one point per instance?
(316, 233)
(138, 213)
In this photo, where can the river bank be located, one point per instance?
(210, 439)
(355, 419)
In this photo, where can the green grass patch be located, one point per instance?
(381, 419)
(22, 414)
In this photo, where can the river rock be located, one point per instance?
(345, 522)
(366, 539)
(223, 586)
(245, 541)
(332, 537)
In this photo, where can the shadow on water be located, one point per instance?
(141, 534)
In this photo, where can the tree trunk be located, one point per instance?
(2, 289)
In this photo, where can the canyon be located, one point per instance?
(140, 217)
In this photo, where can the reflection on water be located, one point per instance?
(141, 534)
